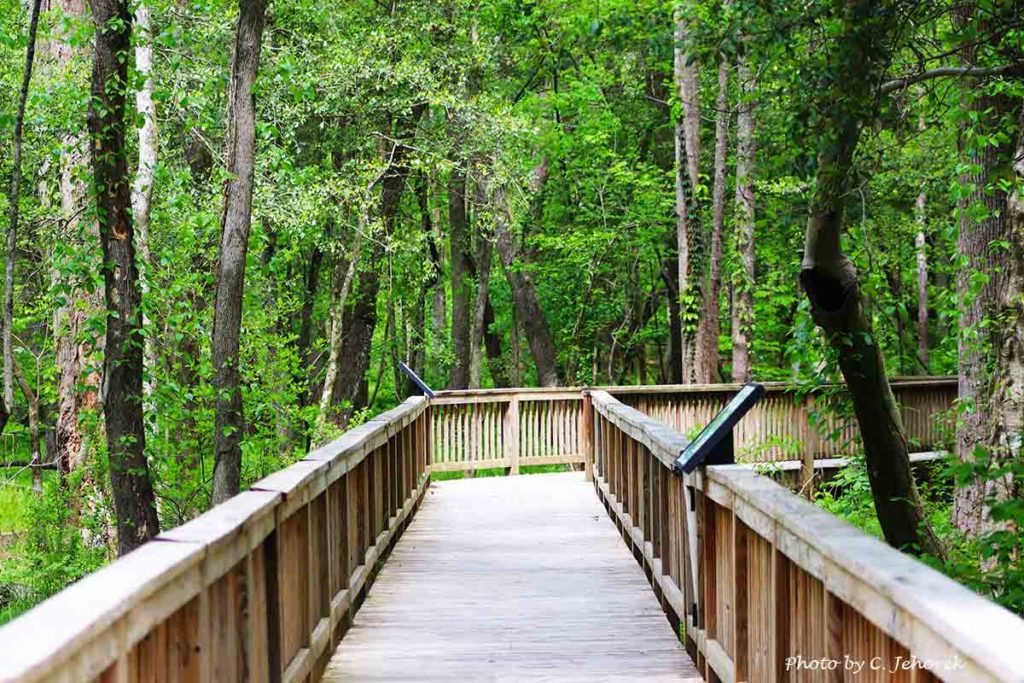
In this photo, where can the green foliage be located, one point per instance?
(987, 564)
(582, 90)
(51, 550)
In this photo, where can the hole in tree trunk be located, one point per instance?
(826, 292)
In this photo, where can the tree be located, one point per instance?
(706, 357)
(234, 243)
(986, 143)
(134, 501)
(856, 64)
(743, 285)
(145, 174)
(461, 263)
(688, 222)
(14, 198)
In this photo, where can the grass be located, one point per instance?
(15, 494)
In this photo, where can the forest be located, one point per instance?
(227, 222)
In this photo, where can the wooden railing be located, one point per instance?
(792, 423)
(505, 428)
(769, 587)
(260, 588)
(510, 428)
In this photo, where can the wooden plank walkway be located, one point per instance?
(511, 578)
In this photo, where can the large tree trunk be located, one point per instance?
(134, 502)
(743, 284)
(462, 295)
(708, 325)
(688, 227)
(987, 153)
(71, 356)
(234, 243)
(1007, 388)
(859, 58)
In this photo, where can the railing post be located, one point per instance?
(512, 435)
(586, 444)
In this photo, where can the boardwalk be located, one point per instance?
(511, 578)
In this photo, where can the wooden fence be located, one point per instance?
(792, 423)
(769, 587)
(260, 588)
(505, 428)
(514, 427)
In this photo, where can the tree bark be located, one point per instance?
(859, 57)
(75, 393)
(1007, 388)
(708, 325)
(134, 501)
(688, 226)
(142, 189)
(234, 244)
(743, 285)
(339, 299)
(986, 153)
(461, 285)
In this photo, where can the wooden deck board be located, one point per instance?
(511, 578)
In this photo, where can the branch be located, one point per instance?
(947, 71)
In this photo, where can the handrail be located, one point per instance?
(264, 583)
(769, 559)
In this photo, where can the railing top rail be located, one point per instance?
(934, 616)
(899, 382)
(448, 396)
(161, 576)
(664, 442)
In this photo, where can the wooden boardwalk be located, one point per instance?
(511, 578)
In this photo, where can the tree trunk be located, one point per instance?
(461, 284)
(708, 325)
(32, 398)
(13, 198)
(859, 57)
(1007, 393)
(304, 340)
(688, 228)
(920, 243)
(339, 299)
(72, 356)
(234, 243)
(743, 286)
(478, 332)
(349, 388)
(981, 224)
(134, 501)
(142, 189)
(431, 231)
(528, 310)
